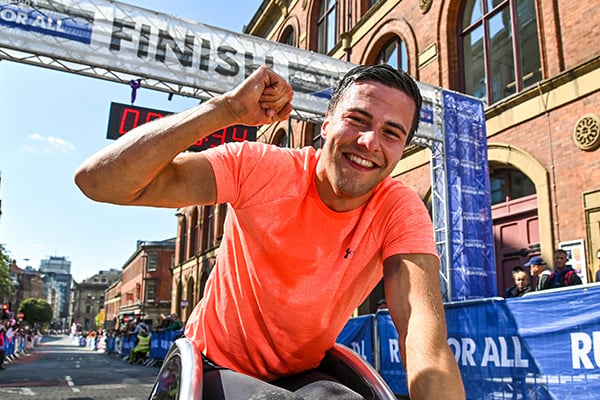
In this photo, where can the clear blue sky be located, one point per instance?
(50, 122)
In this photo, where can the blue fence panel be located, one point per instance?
(161, 342)
(539, 347)
(561, 330)
(391, 368)
(9, 345)
(358, 335)
(128, 343)
(493, 360)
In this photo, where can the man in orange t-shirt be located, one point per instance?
(308, 234)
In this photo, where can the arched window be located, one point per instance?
(183, 240)
(194, 245)
(208, 234)
(281, 139)
(289, 36)
(326, 26)
(500, 48)
(509, 184)
(394, 53)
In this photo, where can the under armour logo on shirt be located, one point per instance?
(348, 252)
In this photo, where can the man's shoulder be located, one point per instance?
(392, 196)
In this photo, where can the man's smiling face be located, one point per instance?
(365, 138)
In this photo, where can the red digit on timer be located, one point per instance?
(219, 135)
(124, 119)
(152, 116)
(241, 138)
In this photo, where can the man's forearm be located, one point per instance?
(146, 152)
(435, 377)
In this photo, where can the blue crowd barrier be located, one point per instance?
(127, 343)
(541, 346)
(357, 334)
(161, 342)
(9, 345)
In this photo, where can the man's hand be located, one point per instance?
(157, 174)
(263, 98)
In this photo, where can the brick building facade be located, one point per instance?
(144, 290)
(536, 66)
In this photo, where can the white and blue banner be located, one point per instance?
(541, 346)
(471, 241)
(184, 55)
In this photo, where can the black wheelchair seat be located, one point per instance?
(180, 376)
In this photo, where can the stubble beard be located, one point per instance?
(348, 186)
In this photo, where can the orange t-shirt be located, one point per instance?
(290, 271)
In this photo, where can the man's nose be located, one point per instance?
(369, 139)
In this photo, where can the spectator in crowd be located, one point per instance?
(308, 234)
(563, 274)
(2, 351)
(165, 321)
(176, 324)
(537, 267)
(141, 348)
(139, 326)
(521, 286)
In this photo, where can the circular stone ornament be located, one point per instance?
(587, 132)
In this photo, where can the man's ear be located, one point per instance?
(325, 125)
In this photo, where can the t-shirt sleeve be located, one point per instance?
(243, 170)
(232, 164)
(409, 229)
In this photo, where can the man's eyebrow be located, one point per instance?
(368, 114)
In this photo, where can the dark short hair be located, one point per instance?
(387, 75)
(516, 269)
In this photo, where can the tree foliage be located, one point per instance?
(6, 287)
(36, 310)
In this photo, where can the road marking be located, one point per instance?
(24, 391)
(71, 384)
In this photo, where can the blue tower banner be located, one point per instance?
(471, 242)
(358, 335)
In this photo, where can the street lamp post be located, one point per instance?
(144, 268)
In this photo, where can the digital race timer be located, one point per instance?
(123, 118)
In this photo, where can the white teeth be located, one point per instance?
(360, 161)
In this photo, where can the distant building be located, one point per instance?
(112, 305)
(144, 291)
(27, 282)
(56, 275)
(87, 298)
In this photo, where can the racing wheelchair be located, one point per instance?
(180, 376)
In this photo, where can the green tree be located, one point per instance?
(6, 287)
(36, 310)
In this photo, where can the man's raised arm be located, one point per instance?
(145, 167)
(415, 303)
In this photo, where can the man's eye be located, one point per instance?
(392, 135)
(357, 119)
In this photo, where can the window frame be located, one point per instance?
(325, 12)
(483, 22)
